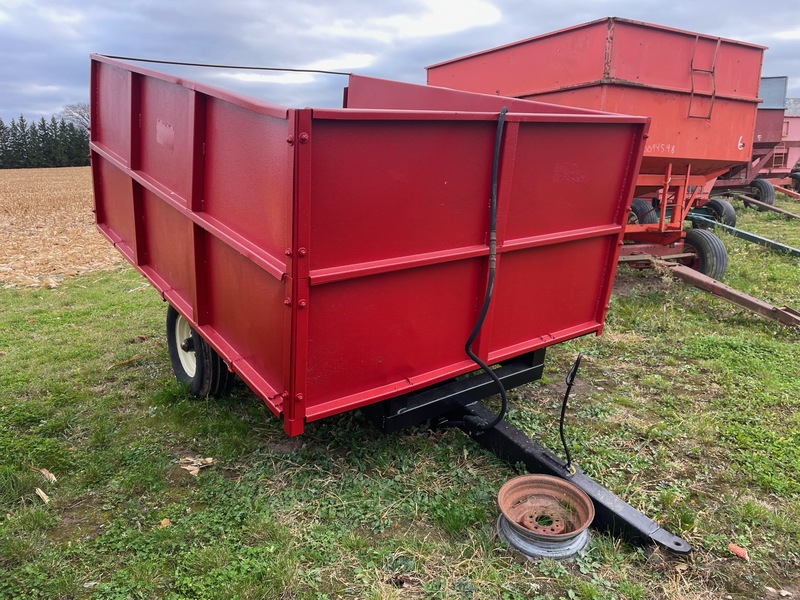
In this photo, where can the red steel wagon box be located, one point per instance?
(335, 258)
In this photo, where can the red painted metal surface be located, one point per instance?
(776, 152)
(787, 152)
(766, 137)
(700, 91)
(337, 257)
(769, 127)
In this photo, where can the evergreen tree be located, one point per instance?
(4, 133)
(48, 143)
(59, 153)
(77, 140)
(63, 143)
(18, 142)
(34, 157)
(54, 143)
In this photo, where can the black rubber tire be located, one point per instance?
(763, 191)
(711, 257)
(722, 211)
(197, 365)
(642, 213)
(795, 185)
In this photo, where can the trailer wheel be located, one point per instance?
(642, 213)
(762, 190)
(795, 182)
(710, 255)
(194, 362)
(722, 211)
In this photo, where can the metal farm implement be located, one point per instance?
(372, 256)
(700, 91)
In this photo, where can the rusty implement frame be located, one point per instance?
(765, 206)
(784, 314)
(790, 193)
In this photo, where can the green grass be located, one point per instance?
(687, 407)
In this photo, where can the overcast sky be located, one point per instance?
(45, 44)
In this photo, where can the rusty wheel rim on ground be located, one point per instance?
(544, 516)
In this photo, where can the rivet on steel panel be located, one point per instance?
(301, 252)
(288, 252)
(302, 304)
(287, 301)
(299, 397)
(290, 140)
(303, 137)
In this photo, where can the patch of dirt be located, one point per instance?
(180, 477)
(781, 592)
(630, 281)
(289, 445)
(82, 520)
(49, 233)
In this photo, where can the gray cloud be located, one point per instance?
(44, 44)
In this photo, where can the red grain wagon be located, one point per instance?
(776, 148)
(700, 91)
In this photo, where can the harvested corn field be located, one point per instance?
(48, 227)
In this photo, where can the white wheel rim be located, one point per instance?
(188, 358)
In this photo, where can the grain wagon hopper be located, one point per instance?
(700, 91)
(776, 149)
(373, 255)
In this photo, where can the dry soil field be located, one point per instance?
(47, 226)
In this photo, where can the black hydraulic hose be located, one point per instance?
(569, 381)
(487, 299)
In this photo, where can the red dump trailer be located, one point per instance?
(345, 258)
(335, 258)
(701, 92)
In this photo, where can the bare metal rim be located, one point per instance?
(543, 515)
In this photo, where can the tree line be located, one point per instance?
(58, 142)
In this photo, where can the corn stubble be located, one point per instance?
(47, 226)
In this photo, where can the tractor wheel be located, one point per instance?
(722, 211)
(194, 362)
(710, 255)
(795, 185)
(762, 190)
(642, 213)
